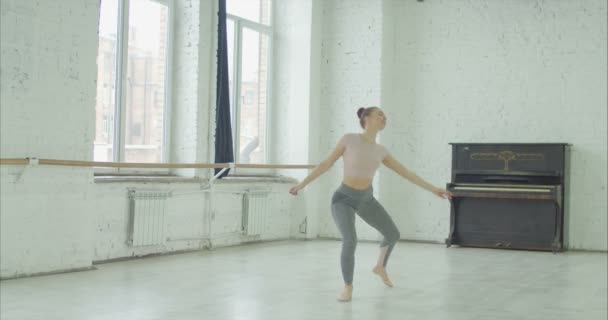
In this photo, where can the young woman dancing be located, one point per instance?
(362, 157)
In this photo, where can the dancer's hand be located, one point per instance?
(442, 193)
(294, 190)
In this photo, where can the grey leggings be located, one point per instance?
(345, 202)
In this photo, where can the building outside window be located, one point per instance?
(132, 81)
(250, 36)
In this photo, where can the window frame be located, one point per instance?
(120, 96)
(263, 29)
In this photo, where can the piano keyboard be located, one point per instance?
(457, 188)
(504, 191)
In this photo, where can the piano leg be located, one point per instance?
(556, 247)
(448, 241)
(557, 244)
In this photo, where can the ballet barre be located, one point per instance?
(101, 164)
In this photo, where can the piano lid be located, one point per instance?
(509, 143)
(509, 157)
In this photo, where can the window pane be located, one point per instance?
(254, 10)
(253, 97)
(146, 68)
(103, 149)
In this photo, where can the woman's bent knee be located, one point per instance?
(396, 236)
(391, 238)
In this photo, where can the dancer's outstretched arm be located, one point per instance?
(400, 169)
(321, 168)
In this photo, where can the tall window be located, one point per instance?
(249, 39)
(132, 81)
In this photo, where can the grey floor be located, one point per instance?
(300, 280)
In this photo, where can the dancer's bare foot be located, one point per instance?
(346, 295)
(379, 270)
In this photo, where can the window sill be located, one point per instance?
(253, 179)
(176, 179)
(145, 179)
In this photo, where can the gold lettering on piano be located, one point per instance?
(506, 156)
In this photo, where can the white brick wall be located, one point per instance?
(47, 77)
(58, 218)
(443, 70)
(47, 91)
(45, 220)
(185, 97)
(206, 81)
(350, 78)
(291, 78)
(458, 71)
(291, 101)
(498, 71)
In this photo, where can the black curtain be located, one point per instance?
(223, 128)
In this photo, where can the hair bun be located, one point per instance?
(360, 112)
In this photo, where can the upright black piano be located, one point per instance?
(508, 195)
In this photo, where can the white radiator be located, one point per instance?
(255, 211)
(147, 220)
